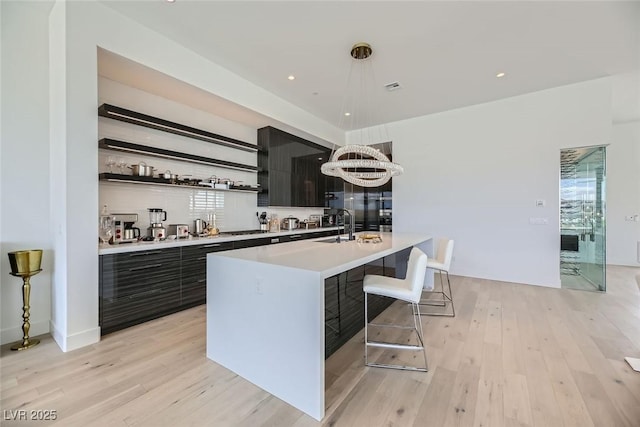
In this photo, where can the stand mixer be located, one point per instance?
(156, 230)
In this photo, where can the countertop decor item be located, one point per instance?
(361, 164)
(25, 264)
(369, 238)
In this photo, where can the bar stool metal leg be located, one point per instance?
(408, 290)
(447, 298)
(417, 327)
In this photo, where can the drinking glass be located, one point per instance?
(110, 162)
(121, 163)
(105, 228)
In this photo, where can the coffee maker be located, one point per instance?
(124, 231)
(156, 230)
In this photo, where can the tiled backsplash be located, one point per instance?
(233, 210)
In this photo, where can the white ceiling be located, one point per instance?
(445, 54)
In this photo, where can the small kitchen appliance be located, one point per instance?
(317, 219)
(181, 231)
(307, 224)
(290, 223)
(200, 227)
(123, 229)
(264, 222)
(156, 230)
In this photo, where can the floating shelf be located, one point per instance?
(134, 179)
(112, 144)
(124, 115)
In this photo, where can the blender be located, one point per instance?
(156, 230)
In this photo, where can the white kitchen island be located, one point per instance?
(266, 316)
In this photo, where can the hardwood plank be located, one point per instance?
(462, 404)
(512, 361)
(574, 409)
(436, 398)
(545, 408)
(489, 404)
(598, 404)
(517, 409)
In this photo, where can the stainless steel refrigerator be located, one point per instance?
(373, 208)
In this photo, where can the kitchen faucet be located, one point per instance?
(351, 224)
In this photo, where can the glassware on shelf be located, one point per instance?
(122, 164)
(110, 162)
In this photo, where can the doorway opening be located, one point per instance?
(582, 218)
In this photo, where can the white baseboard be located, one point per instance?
(77, 340)
(15, 333)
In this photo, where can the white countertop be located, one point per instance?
(105, 249)
(325, 258)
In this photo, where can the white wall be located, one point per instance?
(623, 194)
(24, 164)
(474, 175)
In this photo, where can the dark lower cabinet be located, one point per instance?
(194, 272)
(139, 286)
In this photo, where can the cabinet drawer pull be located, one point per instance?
(295, 236)
(202, 280)
(145, 293)
(145, 253)
(144, 267)
(276, 240)
(213, 245)
(202, 258)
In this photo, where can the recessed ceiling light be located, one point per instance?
(500, 75)
(347, 114)
(170, 1)
(291, 77)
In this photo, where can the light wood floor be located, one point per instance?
(514, 355)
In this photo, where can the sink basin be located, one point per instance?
(334, 240)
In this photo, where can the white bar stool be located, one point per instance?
(409, 290)
(441, 263)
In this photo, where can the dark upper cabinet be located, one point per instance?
(290, 170)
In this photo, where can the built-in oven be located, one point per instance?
(385, 220)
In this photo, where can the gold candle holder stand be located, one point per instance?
(25, 264)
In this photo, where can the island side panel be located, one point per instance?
(266, 323)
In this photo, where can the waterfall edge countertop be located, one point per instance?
(266, 310)
(105, 249)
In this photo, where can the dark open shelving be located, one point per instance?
(134, 179)
(124, 115)
(113, 144)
